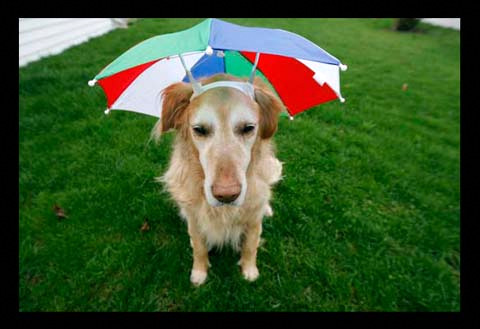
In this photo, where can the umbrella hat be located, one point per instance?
(301, 73)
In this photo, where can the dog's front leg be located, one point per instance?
(248, 260)
(200, 255)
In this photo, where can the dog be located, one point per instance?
(222, 167)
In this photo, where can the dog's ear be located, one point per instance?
(176, 98)
(270, 108)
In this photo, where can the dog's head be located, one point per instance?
(223, 124)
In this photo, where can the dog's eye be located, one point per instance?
(247, 129)
(200, 130)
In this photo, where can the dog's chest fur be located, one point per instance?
(221, 226)
(225, 224)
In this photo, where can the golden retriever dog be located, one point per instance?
(222, 166)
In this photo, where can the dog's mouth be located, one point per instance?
(226, 204)
(217, 203)
(222, 204)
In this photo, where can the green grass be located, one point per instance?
(366, 217)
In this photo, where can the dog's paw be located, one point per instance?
(250, 273)
(198, 277)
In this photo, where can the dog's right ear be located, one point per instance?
(270, 108)
(176, 98)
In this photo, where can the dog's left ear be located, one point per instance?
(270, 108)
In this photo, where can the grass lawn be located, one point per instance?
(367, 217)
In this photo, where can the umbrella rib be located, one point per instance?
(195, 84)
(279, 95)
(254, 68)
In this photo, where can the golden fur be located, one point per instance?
(208, 226)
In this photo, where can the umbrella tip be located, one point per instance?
(209, 50)
(107, 111)
(343, 67)
(342, 100)
(290, 117)
(92, 83)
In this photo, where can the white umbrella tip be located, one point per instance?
(342, 100)
(209, 50)
(92, 83)
(343, 67)
(107, 111)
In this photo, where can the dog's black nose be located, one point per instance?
(227, 198)
(226, 194)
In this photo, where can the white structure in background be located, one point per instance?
(453, 23)
(39, 37)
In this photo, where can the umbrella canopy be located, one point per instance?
(301, 73)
